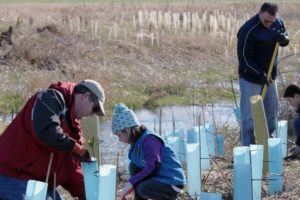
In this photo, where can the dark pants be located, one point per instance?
(14, 189)
(151, 189)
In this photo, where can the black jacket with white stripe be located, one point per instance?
(255, 48)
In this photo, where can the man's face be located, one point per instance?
(266, 19)
(294, 101)
(84, 106)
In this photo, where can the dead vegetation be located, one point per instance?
(139, 60)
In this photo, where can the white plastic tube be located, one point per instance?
(173, 142)
(282, 134)
(257, 154)
(91, 180)
(275, 166)
(209, 130)
(107, 182)
(242, 174)
(193, 170)
(220, 145)
(193, 137)
(36, 190)
(182, 144)
(210, 196)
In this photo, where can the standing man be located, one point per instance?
(255, 47)
(292, 94)
(49, 124)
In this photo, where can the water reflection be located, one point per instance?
(184, 117)
(172, 117)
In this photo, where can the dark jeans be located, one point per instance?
(151, 189)
(14, 189)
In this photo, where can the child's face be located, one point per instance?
(123, 135)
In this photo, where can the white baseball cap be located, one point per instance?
(97, 90)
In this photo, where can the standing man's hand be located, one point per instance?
(282, 39)
(263, 78)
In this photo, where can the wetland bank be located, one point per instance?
(145, 55)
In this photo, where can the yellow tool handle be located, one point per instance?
(263, 94)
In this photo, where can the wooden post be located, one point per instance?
(117, 175)
(49, 167)
(173, 123)
(54, 186)
(160, 121)
(260, 127)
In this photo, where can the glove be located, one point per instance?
(86, 157)
(282, 39)
(128, 188)
(263, 78)
(82, 153)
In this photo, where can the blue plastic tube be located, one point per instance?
(193, 169)
(275, 166)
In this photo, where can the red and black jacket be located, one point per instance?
(45, 125)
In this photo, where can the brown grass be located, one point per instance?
(72, 42)
(63, 43)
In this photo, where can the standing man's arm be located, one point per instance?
(282, 35)
(246, 46)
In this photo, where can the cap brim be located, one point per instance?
(102, 111)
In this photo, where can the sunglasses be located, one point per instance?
(268, 21)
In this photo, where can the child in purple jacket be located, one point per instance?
(155, 171)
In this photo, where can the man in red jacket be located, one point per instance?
(49, 124)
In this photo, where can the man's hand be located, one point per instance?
(82, 153)
(128, 188)
(282, 39)
(86, 157)
(263, 78)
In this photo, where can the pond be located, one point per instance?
(177, 117)
(182, 116)
(172, 117)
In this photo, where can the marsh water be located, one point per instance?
(172, 117)
(181, 117)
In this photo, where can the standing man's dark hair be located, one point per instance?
(270, 8)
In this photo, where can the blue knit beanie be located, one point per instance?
(122, 118)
